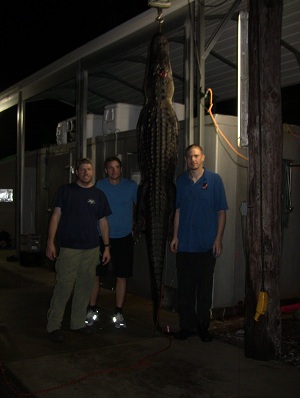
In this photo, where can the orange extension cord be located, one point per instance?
(209, 110)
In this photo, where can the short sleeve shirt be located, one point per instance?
(199, 204)
(121, 198)
(81, 208)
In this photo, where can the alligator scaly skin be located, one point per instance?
(158, 130)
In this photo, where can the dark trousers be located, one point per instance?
(195, 281)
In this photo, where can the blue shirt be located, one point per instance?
(121, 198)
(199, 204)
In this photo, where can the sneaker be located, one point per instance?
(91, 317)
(119, 321)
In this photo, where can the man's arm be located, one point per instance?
(218, 246)
(174, 242)
(53, 225)
(104, 229)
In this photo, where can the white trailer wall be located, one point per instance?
(229, 276)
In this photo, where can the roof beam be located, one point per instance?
(291, 49)
(224, 60)
(99, 95)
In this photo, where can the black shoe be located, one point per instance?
(84, 330)
(56, 336)
(183, 334)
(203, 332)
(205, 336)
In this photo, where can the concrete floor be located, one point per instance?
(111, 363)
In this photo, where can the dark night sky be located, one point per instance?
(35, 34)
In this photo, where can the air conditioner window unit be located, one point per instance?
(94, 125)
(71, 129)
(120, 117)
(61, 133)
(66, 130)
(71, 124)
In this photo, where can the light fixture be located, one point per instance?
(243, 79)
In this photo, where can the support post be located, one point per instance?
(263, 337)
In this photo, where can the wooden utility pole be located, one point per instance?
(263, 337)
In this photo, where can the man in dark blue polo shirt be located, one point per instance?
(199, 225)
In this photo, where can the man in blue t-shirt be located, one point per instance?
(80, 210)
(122, 196)
(199, 225)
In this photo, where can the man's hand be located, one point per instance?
(106, 256)
(51, 251)
(174, 245)
(217, 247)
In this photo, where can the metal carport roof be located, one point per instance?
(115, 61)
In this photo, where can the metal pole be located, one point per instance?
(201, 88)
(20, 171)
(81, 111)
(243, 79)
(189, 79)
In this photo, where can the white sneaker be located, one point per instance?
(119, 321)
(91, 317)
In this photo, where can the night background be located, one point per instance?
(35, 36)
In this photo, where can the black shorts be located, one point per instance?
(121, 251)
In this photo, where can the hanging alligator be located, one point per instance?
(158, 130)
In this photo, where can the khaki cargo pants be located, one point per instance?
(75, 272)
